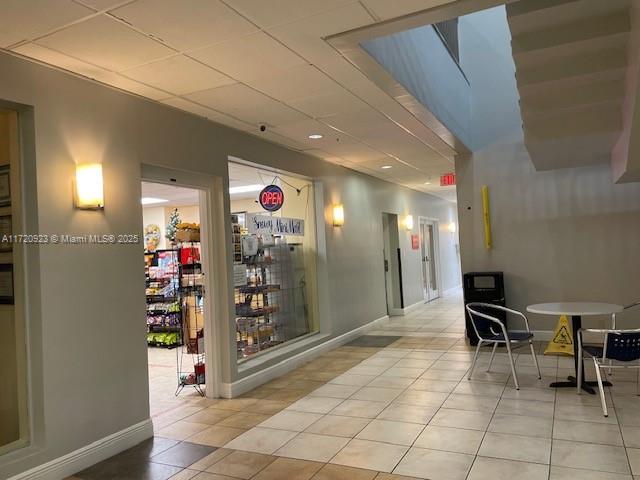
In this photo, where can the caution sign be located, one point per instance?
(562, 342)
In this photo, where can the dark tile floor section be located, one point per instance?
(373, 341)
(153, 459)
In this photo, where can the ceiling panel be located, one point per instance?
(178, 75)
(124, 83)
(106, 42)
(276, 12)
(249, 57)
(296, 83)
(100, 5)
(66, 62)
(339, 101)
(27, 19)
(386, 9)
(246, 104)
(186, 24)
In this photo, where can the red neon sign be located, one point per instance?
(271, 198)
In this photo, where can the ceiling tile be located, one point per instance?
(59, 60)
(386, 9)
(106, 42)
(178, 75)
(327, 104)
(27, 19)
(101, 5)
(276, 12)
(246, 104)
(296, 83)
(249, 57)
(186, 24)
(124, 83)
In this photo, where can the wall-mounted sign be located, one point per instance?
(447, 179)
(415, 242)
(271, 198)
(263, 224)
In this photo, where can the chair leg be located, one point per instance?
(535, 359)
(493, 352)
(579, 372)
(475, 357)
(513, 365)
(601, 388)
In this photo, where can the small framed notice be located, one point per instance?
(5, 186)
(6, 284)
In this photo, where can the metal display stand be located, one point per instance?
(190, 357)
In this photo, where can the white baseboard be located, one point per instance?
(89, 455)
(450, 290)
(245, 384)
(403, 311)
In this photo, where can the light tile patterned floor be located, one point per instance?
(408, 409)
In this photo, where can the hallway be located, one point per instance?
(396, 403)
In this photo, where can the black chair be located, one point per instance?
(619, 345)
(491, 330)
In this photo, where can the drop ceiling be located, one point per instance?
(243, 63)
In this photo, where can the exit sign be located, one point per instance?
(447, 179)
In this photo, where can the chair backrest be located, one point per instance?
(623, 346)
(485, 324)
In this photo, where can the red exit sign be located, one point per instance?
(447, 179)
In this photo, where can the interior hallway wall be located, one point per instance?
(89, 291)
(560, 235)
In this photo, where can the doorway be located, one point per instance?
(429, 259)
(176, 249)
(392, 264)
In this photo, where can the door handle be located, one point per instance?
(386, 265)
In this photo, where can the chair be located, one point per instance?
(491, 330)
(620, 345)
(613, 322)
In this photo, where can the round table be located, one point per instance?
(576, 310)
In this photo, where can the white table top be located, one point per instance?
(575, 308)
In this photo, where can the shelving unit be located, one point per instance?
(163, 313)
(191, 356)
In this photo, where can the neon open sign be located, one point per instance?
(271, 198)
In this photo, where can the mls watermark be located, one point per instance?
(70, 239)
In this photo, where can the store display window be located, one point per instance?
(274, 256)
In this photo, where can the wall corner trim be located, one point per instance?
(245, 384)
(398, 312)
(91, 454)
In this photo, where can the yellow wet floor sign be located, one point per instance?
(562, 342)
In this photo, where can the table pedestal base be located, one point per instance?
(586, 386)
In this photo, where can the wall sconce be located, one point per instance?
(338, 215)
(453, 227)
(408, 222)
(89, 187)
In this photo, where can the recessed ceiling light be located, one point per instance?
(151, 200)
(386, 167)
(316, 136)
(427, 183)
(245, 189)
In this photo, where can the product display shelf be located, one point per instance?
(257, 304)
(190, 358)
(163, 312)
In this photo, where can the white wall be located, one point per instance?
(91, 388)
(569, 234)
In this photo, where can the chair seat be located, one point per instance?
(513, 337)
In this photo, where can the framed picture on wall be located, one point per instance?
(6, 284)
(5, 230)
(5, 186)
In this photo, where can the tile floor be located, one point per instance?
(394, 404)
